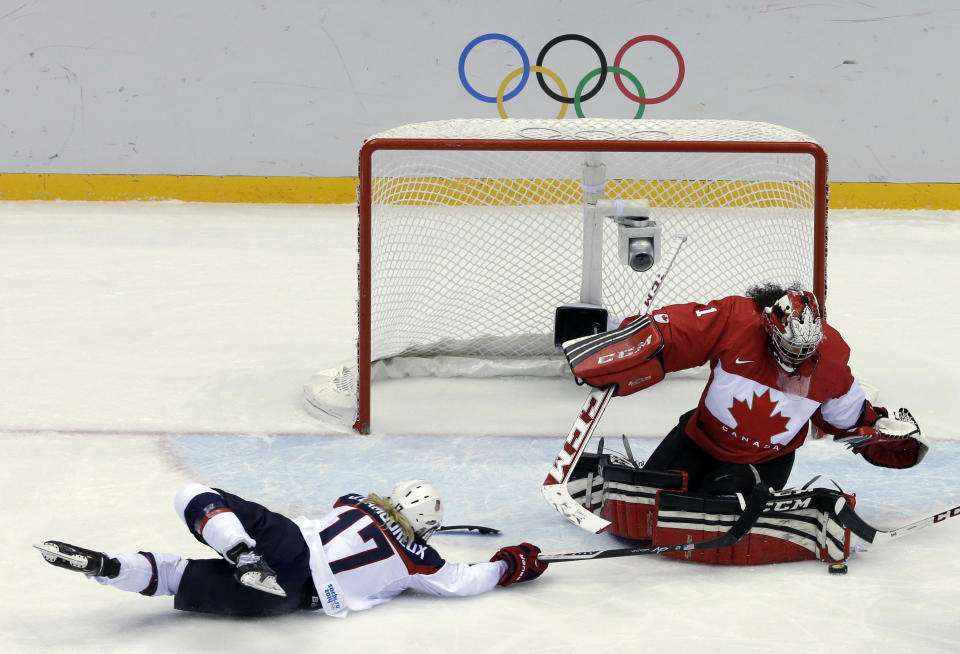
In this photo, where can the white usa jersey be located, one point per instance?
(359, 558)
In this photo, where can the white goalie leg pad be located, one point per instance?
(630, 495)
(796, 525)
(621, 492)
(806, 518)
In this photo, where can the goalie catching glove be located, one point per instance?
(627, 357)
(891, 441)
(522, 563)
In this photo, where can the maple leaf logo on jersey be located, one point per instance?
(759, 422)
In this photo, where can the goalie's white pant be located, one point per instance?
(140, 574)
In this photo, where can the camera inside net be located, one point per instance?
(638, 236)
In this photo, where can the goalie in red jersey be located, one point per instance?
(775, 367)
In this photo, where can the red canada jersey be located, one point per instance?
(751, 409)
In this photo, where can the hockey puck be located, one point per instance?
(838, 568)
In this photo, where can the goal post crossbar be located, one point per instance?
(379, 144)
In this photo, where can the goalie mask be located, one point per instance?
(794, 328)
(418, 502)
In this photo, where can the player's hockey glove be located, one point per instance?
(892, 441)
(252, 570)
(522, 563)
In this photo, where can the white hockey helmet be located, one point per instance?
(794, 327)
(419, 502)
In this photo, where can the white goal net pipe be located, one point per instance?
(472, 232)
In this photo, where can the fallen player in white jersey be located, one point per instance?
(365, 552)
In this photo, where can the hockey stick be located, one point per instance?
(754, 506)
(847, 517)
(477, 528)
(554, 487)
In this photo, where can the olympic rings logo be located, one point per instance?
(579, 96)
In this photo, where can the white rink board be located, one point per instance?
(293, 88)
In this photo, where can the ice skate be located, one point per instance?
(71, 557)
(253, 572)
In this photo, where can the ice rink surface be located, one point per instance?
(147, 345)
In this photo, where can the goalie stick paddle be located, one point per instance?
(847, 517)
(554, 487)
(480, 529)
(754, 506)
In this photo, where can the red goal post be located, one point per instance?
(472, 231)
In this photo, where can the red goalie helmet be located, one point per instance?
(794, 328)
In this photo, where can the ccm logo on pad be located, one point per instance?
(623, 354)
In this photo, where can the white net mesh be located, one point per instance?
(473, 248)
(597, 129)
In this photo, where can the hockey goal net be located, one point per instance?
(473, 232)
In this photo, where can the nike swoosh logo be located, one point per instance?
(740, 361)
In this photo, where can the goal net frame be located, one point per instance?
(648, 142)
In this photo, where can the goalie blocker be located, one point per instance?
(627, 358)
(796, 525)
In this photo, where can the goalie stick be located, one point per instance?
(849, 519)
(754, 506)
(554, 487)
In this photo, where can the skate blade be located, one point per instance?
(51, 554)
(268, 585)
